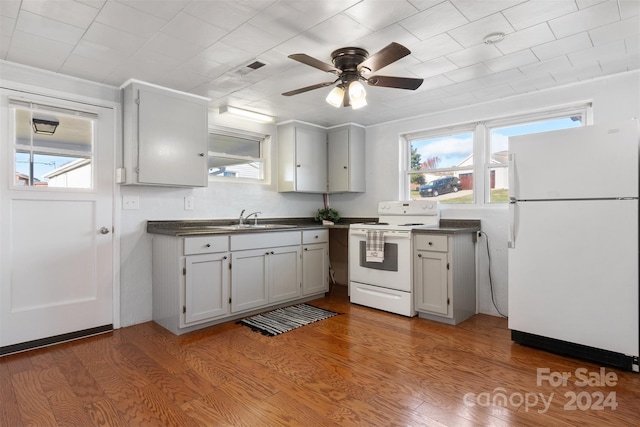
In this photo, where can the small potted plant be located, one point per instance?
(327, 216)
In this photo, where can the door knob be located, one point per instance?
(104, 230)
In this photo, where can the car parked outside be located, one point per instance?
(446, 184)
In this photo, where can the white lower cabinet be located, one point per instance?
(315, 262)
(206, 287)
(260, 277)
(444, 277)
(202, 280)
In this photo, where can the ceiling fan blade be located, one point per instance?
(387, 55)
(316, 63)
(307, 88)
(395, 82)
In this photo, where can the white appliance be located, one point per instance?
(388, 285)
(573, 242)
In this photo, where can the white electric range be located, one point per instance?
(388, 285)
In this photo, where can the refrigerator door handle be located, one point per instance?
(511, 243)
(512, 178)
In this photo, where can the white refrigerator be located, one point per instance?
(573, 242)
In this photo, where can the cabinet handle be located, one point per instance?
(344, 167)
(316, 237)
(306, 249)
(271, 252)
(208, 245)
(201, 154)
(430, 243)
(297, 166)
(266, 253)
(224, 257)
(419, 255)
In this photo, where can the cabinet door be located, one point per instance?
(431, 282)
(346, 159)
(315, 269)
(284, 273)
(206, 287)
(311, 159)
(172, 139)
(249, 287)
(338, 150)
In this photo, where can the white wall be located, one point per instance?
(614, 99)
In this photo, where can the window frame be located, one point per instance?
(264, 148)
(481, 134)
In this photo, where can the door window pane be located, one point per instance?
(499, 146)
(442, 167)
(60, 157)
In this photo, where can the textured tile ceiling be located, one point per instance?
(204, 46)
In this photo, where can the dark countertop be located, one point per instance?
(452, 226)
(198, 227)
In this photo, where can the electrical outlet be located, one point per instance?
(130, 202)
(188, 203)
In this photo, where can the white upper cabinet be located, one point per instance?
(314, 160)
(165, 136)
(302, 158)
(346, 159)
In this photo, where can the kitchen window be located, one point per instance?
(440, 163)
(58, 155)
(236, 155)
(441, 166)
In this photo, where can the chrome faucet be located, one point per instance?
(241, 219)
(255, 221)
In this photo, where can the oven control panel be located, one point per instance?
(408, 207)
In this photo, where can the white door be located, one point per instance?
(249, 285)
(56, 218)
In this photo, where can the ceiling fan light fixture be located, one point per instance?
(44, 127)
(357, 95)
(336, 96)
(246, 114)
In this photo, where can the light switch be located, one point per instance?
(188, 203)
(130, 202)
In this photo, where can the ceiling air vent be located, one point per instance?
(246, 69)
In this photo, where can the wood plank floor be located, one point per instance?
(362, 368)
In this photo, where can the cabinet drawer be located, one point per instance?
(315, 236)
(431, 242)
(205, 244)
(269, 239)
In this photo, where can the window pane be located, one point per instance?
(235, 157)
(225, 144)
(499, 144)
(60, 158)
(445, 165)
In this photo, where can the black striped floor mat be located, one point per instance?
(286, 319)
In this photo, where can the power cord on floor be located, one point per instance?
(493, 300)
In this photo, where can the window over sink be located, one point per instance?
(237, 155)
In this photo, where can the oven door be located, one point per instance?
(394, 272)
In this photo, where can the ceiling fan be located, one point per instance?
(352, 65)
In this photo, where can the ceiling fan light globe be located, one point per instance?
(356, 90)
(335, 97)
(359, 103)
